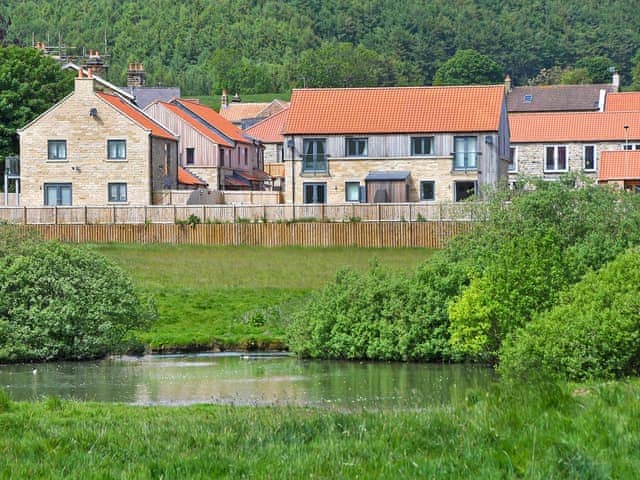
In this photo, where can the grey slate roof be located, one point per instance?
(145, 96)
(556, 98)
(382, 176)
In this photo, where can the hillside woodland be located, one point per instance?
(272, 46)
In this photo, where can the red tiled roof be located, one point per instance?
(207, 132)
(395, 110)
(622, 102)
(576, 127)
(619, 165)
(215, 119)
(235, 112)
(254, 175)
(185, 177)
(269, 130)
(136, 115)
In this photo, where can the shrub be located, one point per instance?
(593, 332)
(64, 302)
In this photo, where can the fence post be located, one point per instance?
(410, 219)
(85, 215)
(25, 215)
(204, 214)
(175, 214)
(379, 214)
(234, 213)
(55, 215)
(113, 215)
(145, 214)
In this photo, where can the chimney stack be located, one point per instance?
(224, 101)
(615, 81)
(507, 84)
(136, 76)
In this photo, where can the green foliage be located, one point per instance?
(468, 67)
(593, 332)
(533, 248)
(575, 76)
(377, 315)
(29, 84)
(598, 68)
(178, 41)
(64, 302)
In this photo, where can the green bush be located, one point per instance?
(64, 302)
(593, 332)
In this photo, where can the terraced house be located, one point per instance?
(548, 145)
(401, 144)
(95, 148)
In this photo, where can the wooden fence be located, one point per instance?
(171, 214)
(374, 234)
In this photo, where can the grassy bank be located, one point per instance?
(231, 297)
(539, 433)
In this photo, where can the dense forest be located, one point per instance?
(270, 46)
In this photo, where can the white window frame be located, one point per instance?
(555, 168)
(433, 186)
(584, 158)
(56, 144)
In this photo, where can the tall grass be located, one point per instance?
(234, 297)
(539, 432)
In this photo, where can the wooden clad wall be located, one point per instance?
(368, 235)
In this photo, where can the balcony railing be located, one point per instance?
(12, 166)
(315, 163)
(465, 160)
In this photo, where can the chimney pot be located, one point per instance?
(80, 73)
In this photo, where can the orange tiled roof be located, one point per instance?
(207, 132)
(622, 102)
(269, 130)
(619, 165)
(213, 118)
(235, 112)
(137, 115)
(187, 178)
(576, 127)
(395, 110)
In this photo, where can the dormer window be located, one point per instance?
(528, 98)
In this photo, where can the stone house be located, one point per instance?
(212, 148)
(245, 114)
(95, 148)
(548, 145)
(399, 144)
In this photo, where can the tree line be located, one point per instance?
(270, 46)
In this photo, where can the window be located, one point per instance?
(464, 190)
(116, 149)
(528, 98)
(631, 146)
(221, 157)
(589, 158)
(465, 153)
(246, 156)
(57, 149)
(57, 194)
(428, 190)
(314, 158)
(555, 158)
(191, 155)
(314, 192)
(421, 145)
(352, 191)
(513, 159)
(356, 147)
(117, 192)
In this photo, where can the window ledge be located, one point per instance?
(62, 160)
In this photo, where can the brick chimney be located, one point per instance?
(224, 100)
(84, 85)
(136, 76)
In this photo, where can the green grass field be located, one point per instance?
(233, 297)
(547, 432)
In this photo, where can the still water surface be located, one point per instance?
(245, 380)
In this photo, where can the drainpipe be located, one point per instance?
(292, 144)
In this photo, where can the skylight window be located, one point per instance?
(528, 98)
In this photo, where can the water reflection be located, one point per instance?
(246, 380)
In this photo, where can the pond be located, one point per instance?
(245, 379)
